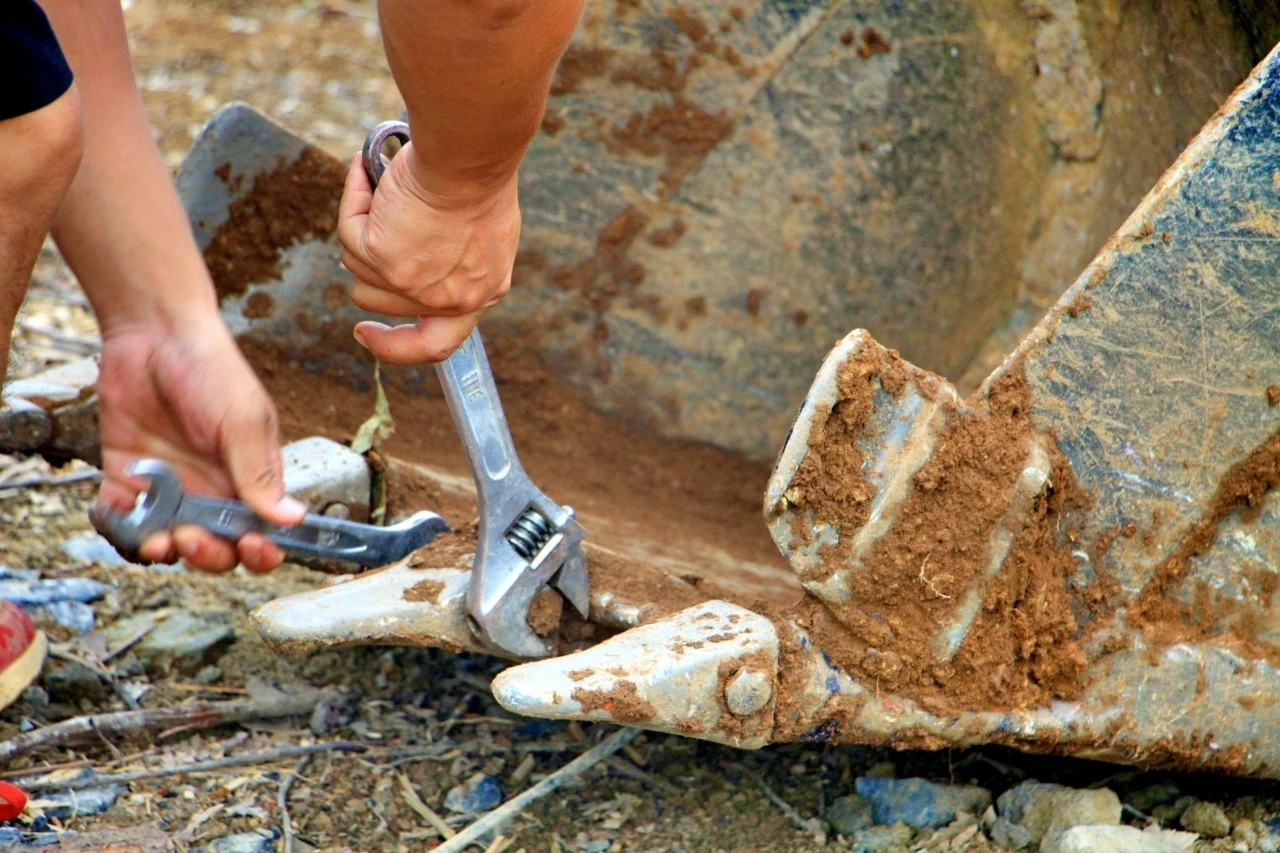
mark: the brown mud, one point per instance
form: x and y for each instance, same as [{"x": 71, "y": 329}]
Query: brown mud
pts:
[
  {"x": 296, "y": 202},
  {"x": 1021, "y": 649},
  {"x": 663, "y": 491}
]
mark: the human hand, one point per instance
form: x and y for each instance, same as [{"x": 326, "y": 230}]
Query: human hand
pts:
[
  {"x": 183, "y": 393},
  {"x": 441, "y": 255}
]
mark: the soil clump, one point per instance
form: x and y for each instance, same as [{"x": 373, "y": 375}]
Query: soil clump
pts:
[
  {"x": 296, "y": 202},
  {"x": 1021, "y": 649}
]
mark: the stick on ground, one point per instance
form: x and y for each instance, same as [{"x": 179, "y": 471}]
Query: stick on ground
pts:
[
  {"x": 194, "y": 715},
  {"x": 491, "y": 821}
]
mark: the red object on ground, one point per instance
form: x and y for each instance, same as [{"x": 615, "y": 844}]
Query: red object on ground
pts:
[
  {"x": 12, "y": 801},
  {"x": 22, "y": 652}
]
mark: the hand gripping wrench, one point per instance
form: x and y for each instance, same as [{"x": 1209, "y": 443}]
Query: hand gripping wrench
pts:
[
  {"x": 526, "y": 540},
  {"x": 164, "y": 506}
]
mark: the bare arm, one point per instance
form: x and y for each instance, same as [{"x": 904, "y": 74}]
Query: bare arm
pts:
[
  {"x": 439, "y": 239},
  {"x": 172, "y": 382},
  {"x": 474, "y": 75}
]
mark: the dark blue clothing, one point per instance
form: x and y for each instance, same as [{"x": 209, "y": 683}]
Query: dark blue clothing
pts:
[{"x": 33, "y": 71}]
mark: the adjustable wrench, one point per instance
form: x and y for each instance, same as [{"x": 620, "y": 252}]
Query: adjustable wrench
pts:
[
  {"x": 526, "y": 540},
  {"x": 164, "y": 506}
]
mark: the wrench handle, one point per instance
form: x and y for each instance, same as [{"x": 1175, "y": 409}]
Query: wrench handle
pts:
[
  {"x": 473, "y": 401},
  {"x": 315, "y": 535}
]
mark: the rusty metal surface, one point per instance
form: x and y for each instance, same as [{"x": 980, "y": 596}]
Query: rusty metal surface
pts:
[{"x": 721, "y": 192}]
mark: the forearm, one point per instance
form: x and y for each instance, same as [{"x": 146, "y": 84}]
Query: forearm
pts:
[
  {"x": 122, "y": 228},
  {"x": 475, "y": 76}
]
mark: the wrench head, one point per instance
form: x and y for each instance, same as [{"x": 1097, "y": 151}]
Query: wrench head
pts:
[
  {"x": 505, "y": 582},
  {"x": 152, "y": 512}
]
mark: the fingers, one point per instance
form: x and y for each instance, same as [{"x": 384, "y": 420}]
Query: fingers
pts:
[
  {"x": 250, "y": 444},
  {"x": 259, "y": 554},
  {"x": 201, "y": 550},
  {"x": 429, "y": 340},
  {"x": 353, "y": 209}
]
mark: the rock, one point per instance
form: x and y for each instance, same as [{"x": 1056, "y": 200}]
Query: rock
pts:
[
  {"x": 188, "y": 640},
  {"x": 1116, "y": 839},
  {"x": 260, "y": 841},
  {"x": 1040, "y": 808},
  {"x": 919, "y": 803},
  {"x": 73, "y": 615},
  {"x": 72, "y": 682},
  {"x": 849, "y": 814},
  {"x": 1012, "y": 835},
  {"x": 32, "y": 593},
  {"x": 1146, "y": 799},
  {"x": 882, "y": 839},
  {"x": 92, "y": 548},
  {"x": 70, "y": 804},
  {"x": 1207, "y": 819},
  {"x": 478, "y": 794}
]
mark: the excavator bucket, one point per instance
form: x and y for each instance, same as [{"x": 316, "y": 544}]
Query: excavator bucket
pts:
[{"x": 1079, "y": 557}]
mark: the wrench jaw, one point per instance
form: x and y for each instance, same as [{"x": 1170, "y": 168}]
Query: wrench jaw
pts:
[
  {"x": 152, "y": 512},
  {"x": 504, "y": 584}
]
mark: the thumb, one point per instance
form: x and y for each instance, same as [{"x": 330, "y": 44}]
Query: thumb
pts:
[
  {"x": 250, "y": 445},
  {"x": 431, "y": 339}
]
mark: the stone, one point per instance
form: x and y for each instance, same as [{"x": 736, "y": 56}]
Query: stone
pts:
[
  {"x": 260, "y": 841},
  {"x": 478, "y": 794},
  {"x": 70, "y": 804},
  {"x": 72, "y": 682},
  {"x": 1116, "y": 839},
  {"x": 92, "y": 548},
  {"x": 1146, "y": 799},
  {"x": 24, "y": 426},
  {"x": 183, "y": 638},
  {"x": 849, "y": 814},
  {"x": 882, "y": 839},
  {"x": 323, "y": 475},
  {"x": 1207, "y": 819},
  {"x": 1041, "y": 807},
  {"x": 75, "y": 616},
  {"x": 919, "y": 803},
  {"x": 1012, "y": 835},
  {"x": 32, "y": 593}
]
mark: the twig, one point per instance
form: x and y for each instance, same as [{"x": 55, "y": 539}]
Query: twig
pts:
[
  {"x": 499, "y": 844},
  {"x": 286, "y": 823},
  {"x": 925, "y": 579},
  {"x": 491, "y": 821},
  {"x": 195, "y": 715},
  {"x": 269, "y": 756},
  {"x": 424, "y": 811},
  {"x": 813, "y": 825},
  {"x": 91, "y": 475},
  {"x": 45, "y": 768},
  {"x": 626, "y": 768}
]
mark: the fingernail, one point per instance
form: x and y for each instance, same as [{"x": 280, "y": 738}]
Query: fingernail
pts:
[
  {"x": 188, "y": 550},
  {"x": 292, "y": 506},
  {"x": 359, "y": 335}
]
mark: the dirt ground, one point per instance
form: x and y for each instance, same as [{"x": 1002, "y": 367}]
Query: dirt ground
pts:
[{"x": 425, "y": 716}]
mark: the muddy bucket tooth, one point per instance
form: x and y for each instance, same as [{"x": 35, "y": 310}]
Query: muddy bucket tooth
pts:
[
  {"x": 398, "y": 605},
  {"x": 708, "y": 671}
]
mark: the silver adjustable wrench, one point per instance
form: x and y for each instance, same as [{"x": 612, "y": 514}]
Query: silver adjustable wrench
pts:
[
  {"x": 164, "y": 506},
  {"x": 526, "y": 541}
]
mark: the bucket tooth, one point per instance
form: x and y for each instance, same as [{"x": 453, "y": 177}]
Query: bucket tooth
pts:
[
  {"x": 398, "y": 605},
  {"x": 708, "y": 671},
  {"x": 886, "y": 411}
]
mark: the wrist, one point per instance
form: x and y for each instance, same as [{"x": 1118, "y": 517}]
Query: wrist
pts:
[
  {"x": 474, "y": 188},
  {"x": 178, "y": 301}
]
